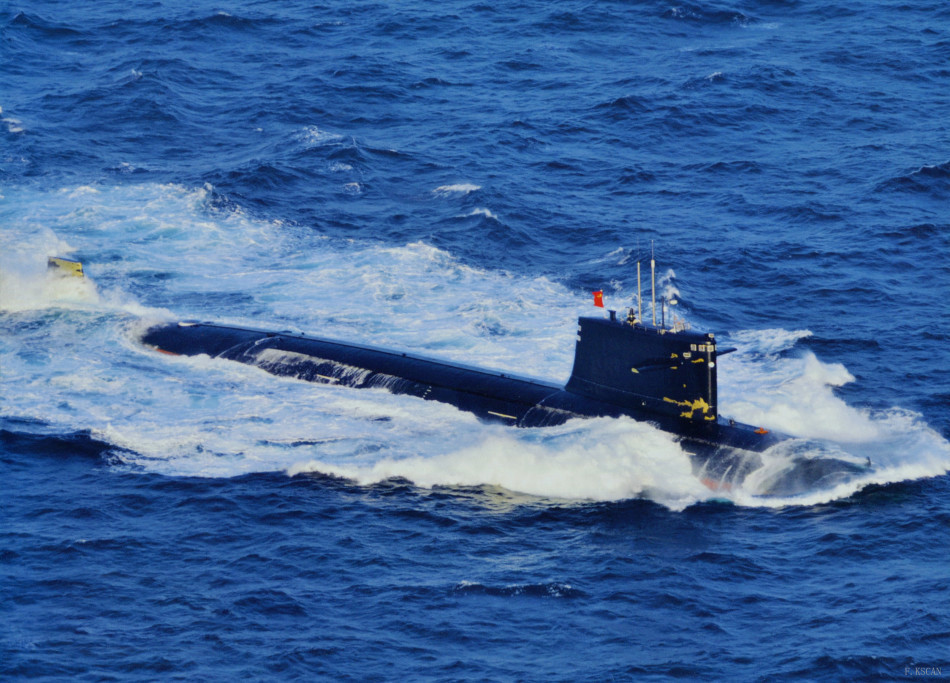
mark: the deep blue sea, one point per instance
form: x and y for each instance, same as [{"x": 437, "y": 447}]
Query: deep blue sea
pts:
[{"x": 454, "y": 179}]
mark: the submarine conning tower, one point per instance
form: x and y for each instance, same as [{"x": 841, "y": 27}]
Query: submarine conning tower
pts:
[{"x": 669, "y": 372}]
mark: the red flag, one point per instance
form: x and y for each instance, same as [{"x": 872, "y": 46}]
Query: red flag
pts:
[{"x": 599, "y": 298}]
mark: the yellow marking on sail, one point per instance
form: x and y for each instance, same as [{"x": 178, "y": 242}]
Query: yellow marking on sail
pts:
[
  {"x": 699, "y": 360},
  {"x": 510, "y": 417},
  {"x": 692, "y": 407}
]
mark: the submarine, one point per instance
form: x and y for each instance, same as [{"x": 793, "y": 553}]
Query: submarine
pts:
[
  {"x": 666, "y": 376},
  {"x": 662, "y": 374}
]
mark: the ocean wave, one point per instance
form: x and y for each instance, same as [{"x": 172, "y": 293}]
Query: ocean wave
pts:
[
  {"x": 703, "y": 15},
  {"x": 47, "y": 27},
  {"x": 531, "y": 590},
  {"x": 312, "y": 136},
  {"x": 627, "y": 103},
  {"x": 456, "y": 189},
  {"x": 217, "y": 22},
  {"x": 588, "y": 460},
  {"x": 483, "y": 212},
  {"x": 932, "y": 179},
  {"x": 14, "y": 125}
]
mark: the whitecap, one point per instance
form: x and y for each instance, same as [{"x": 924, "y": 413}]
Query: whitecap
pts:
[
  {"x": 312, "y": 136},
  {"x": 482, "y": 212},
  {"x": 458, "y": 188},
  {"x": 13, "y": 125},
  {"x": 601, "y": 459}
]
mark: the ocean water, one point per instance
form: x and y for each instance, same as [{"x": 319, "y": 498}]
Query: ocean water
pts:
[{"x": 454, "y": 179}]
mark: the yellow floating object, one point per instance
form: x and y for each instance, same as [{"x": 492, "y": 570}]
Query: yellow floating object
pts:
[{"x": 65, "y": 266}]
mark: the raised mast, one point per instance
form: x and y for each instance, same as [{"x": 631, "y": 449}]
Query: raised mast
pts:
[
  {"x": 639, "y": 294},
  {"x": 653, "y": 282}
]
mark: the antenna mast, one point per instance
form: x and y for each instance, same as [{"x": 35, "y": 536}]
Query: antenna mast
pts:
[
  {"x": 639, "y": 291},
  {"x": 653, "y": 282}
]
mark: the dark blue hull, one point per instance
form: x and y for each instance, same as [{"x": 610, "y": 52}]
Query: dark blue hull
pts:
[{"x": 492, "y": 396}]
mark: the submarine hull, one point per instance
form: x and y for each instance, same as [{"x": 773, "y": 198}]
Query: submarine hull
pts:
[{"x": 492, "y": 396}]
